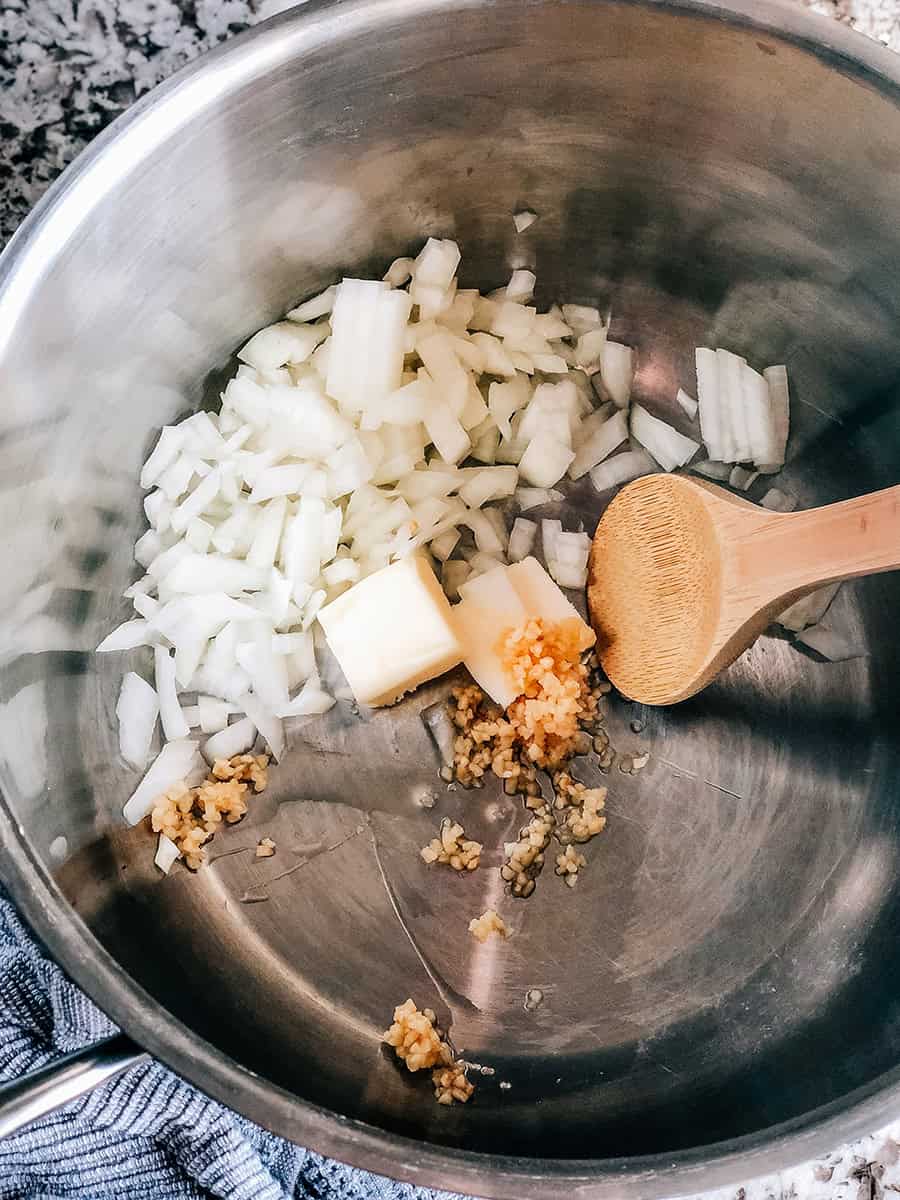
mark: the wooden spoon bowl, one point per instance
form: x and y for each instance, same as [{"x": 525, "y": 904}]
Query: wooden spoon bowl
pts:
[{"x": 683, "y": 576}]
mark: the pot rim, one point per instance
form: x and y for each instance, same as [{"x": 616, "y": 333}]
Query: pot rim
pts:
[{"x": 56, "y": 217}]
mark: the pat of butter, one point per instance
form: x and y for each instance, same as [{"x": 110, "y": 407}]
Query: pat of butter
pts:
[
  {"x": 392, "y": 631},
  {"x": 543, "y": 599},
  {"x": 489, "y": 607},
  {"x": 500, "y": 600}
]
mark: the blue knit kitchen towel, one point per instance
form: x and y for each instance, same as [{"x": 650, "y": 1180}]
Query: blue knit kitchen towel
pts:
[{"x": 146, "y": 1135}]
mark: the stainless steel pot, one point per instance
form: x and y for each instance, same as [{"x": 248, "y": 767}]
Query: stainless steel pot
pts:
[{"x": 720, "y": 991}]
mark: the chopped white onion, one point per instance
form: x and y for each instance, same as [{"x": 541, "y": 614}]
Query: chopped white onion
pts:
[
  {"x": 521, "y": 539},
  {"x": 127, "y": 636},
  {"x": 778, "y": 501},
  {"x": 719, "y": 471},
  {"x": 173, "y": 722},
  {"x": 670, "y": 448},
  {"x": 233, "y": 739},
  {"x": 265, "y": 721},
  {"x": 809, "y": 610},
  {"x": 600, "y": 444},
  {"x": 710, "y": 407},
  {"x": 453, "y": 574},
  {"x": 177, "y": 762},
  {"x": 317, "y": 306},
  {"x": 622, "y": 468},
  {"x": 167, "y": 854},
  {"x": 545, "y": 461},
  {"x": 742, "y": 478},
  {"x": 527, "y": 497},
  {"x": 831, "y": 643},
  {"x": 687, "y": 403},
  {"x": 137, "y": 709},
  {"x": 523, "y": 220},
  {"x": 617, "y": 371},
  {"x": 779, "y": 399}
]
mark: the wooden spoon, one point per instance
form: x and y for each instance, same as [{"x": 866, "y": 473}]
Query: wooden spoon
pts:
[{"x": 683, "y": 576}]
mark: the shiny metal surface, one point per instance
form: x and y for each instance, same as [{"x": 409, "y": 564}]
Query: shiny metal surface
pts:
[
  {"x": 720, "y": 995},
  {"x": 42, "y": 1092}
]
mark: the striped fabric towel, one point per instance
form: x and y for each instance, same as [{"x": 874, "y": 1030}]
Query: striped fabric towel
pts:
[{"x": 146, "y": 1135}]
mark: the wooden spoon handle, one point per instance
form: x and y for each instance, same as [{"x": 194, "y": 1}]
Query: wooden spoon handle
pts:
[{"x": 789, "y": 552}]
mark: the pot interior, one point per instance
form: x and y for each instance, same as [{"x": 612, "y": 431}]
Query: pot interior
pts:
[{"x": 725, "y": 963}]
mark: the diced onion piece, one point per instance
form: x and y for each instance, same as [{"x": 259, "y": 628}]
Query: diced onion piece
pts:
[
  {"x": 521, "y": 286},
  {"x": 523, "y": 220},
  {"x": 265, "y": 721},
  {"x": 164, "y": 454},
  {"x": 567, "y": 576},
  {"x": 198, "y": 573},
  {"x": 453, "y": 574},
  {"x": 742, "y": 478},
  {"x": 399, "y": 272},
  {"x": 445, "y": 370},
  {"x": 365, "y": 362},
  {"x": 670, "y": 448},
  {"x": 545, "y": 461},
  {"x": 267, "y": 534},
  {"x": 213, "y": 714},
  {"x": 148, "y": 547},
  {"x": 436, "y": 263},
  {"x": 175, "y": 763},
  {"x": 317, "y": 306},
  {"x": 137, "y": 709},
  {"x": 759, "y": 417},
  {"x": 589, "y": 350},
  {"x": 173, "y": 722},
  {"x": 719, "y": 471},
  {"x": 234, "y": 739},
  {"x": 617, "y": 371},
  {"x": 447, "y": 435},
  {"x": 809, "y": 610},
  {"x": 285, "y": 480},
  {"x": 497, "y": 360},
  {"x": 127, "y": 636},
  {"x": 485, "y": 443},
  {"x": 571, "y": 549},
  {"x": 488, "y": 483},
  {"x": 831, "y": 643},
  {"x": 311, "y": 700},
  {"x": 580, "y": 318},
  {"x": 778, "y": 501},
  {"x": 505, "y": 399},
  {"x": 779, "y": 400},
  {"x": 550, "y": 530},
  {"x": 199, "y": 534},
  {"x": 284, "y": 342},
  {"x": 527, "y": 497},
  {"x": 731, "y": 392},
  {"x": 521, "y": 539},
  {"x": 622, "y": 468},
  {"x": 710, "y": 405},
  {"x": 267, "y": 670},
  {"x": 479, "y": 562},
  {"x": 444, "y": 544},
  {"x": 486, "y": 537},
  {"x": 599, "y": 445},
  {"x": 167, "y": 854},
  {"x": 687, "y": 403}
]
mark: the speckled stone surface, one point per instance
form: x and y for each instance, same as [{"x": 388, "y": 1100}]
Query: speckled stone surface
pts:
[{"x": 68, "y": 67}]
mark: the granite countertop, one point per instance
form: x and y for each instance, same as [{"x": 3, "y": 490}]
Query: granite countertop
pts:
[{"x": 68, "y": 67}]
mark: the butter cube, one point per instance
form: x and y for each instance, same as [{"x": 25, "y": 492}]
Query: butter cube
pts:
[
  {"x": 543, "y": 599},
  {"x": 490, "y": 606},
  {"x": 392, "y": 631},
  {"x": 498, "y": 601}
]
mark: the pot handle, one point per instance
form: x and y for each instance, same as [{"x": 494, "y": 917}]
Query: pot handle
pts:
[{"x": 42, "y": 1091}]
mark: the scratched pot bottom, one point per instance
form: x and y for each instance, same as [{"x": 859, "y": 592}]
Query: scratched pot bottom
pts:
[{"x": 702, "y": 934}]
